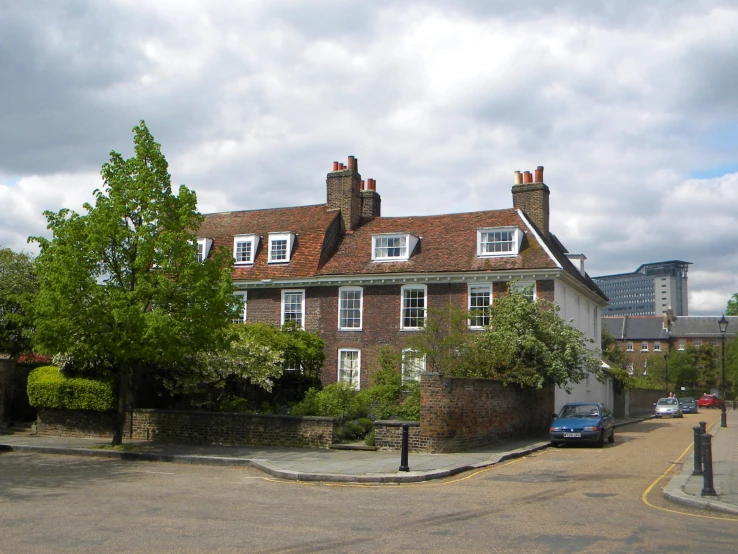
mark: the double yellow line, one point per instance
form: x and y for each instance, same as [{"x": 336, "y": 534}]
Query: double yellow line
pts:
[{"x": 644, "y": 496}]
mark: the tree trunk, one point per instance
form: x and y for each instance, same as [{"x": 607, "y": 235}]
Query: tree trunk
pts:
[{"x": 124, "y": 378}]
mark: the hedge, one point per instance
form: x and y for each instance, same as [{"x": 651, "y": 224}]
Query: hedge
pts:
[{"x": 48, "y": 388}]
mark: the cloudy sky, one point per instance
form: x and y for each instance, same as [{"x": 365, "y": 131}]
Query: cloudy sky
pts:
[{"x": 631, "y": 106}]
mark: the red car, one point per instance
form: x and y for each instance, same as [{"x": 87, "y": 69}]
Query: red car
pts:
[{"x": 709, "y": 401}]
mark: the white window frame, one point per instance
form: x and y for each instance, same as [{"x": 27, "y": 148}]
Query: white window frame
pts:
[
  {"x": 253, "y": 240},
  {"x": 290, "y": 241},
  {"x": 697, "y": 342},
  {"x": 515, "y": 242},
  {"x": 412, "y": 365},
  {"x": 203, "y": 249},
  {"x": 520, "y": 285},
  {"x": 469, "y": 288},
  {"x": 341, "y": 290},
  {"x": 657, "y": 346},
  {"x": 713, "y": 342},
  {"x": 682, "y": 344},
  {"x": 410, "y": 242},
  {"x": 404, "y": 288},
  {"x": 629, "y": 346},
  {"x": 244, "y": 312},
  {"x": 644, "y": 346},
  {"x": 302, "y": 306},
  {"x": 340, "y": 369}
]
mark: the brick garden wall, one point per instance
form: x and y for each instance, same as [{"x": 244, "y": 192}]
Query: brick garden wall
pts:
[
  {"x": 641, "y": 401},
  {"x": 74, "y": 423},
  {"x": 193, "y": 427},
  {"x": 388, "y": 436},
  {"x": 462, "y": 414}
]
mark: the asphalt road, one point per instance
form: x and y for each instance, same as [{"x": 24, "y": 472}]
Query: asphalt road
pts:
[{"x": 571, "y": 499}]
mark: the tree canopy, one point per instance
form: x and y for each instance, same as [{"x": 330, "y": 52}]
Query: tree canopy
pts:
[
  {"x": 526, "y": 344},
  {"x": 731, "y": 308},
  {"x": 120, "y": 285},
  {"x": 18, "y": 287}
]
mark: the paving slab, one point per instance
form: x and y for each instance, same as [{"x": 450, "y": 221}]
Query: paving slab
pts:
[
  {"x": 291, "y": 463},
  {"x": 686, "y": 489}
]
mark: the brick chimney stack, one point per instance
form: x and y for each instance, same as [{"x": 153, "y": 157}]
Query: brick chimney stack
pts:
[
  {"x": 531, "y": 196},
  {"x": 345, "y": 191}
]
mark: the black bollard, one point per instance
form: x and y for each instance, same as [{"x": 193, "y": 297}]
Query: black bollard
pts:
[
  {"x": 708, "y": 488},
  {"x": 403, "y": 453},
  {"x": 703, "y": 426},
  {"x": 697, "y": 450}
]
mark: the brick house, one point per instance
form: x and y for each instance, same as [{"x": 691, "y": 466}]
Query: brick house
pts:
[
  {"x": 363, "y": 281},
  {"x": 642, "y": 337}
]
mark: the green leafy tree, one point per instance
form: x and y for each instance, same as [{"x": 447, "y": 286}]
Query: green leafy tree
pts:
[
  {"x": 120, "y": 285},
  {"x": 445, "y": 340},
  {"x": 18, "y": 287},
  {"x": 731, "y": 308},
  {"x": 526, "y": 344},
  {"x": 246, "y": 356}
]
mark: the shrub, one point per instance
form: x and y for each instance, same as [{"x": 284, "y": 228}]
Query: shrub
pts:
[
  {"x": 337, "y": 400},
  {"x": 369, "y": 440},
  {"x": 48, "y": 388}
]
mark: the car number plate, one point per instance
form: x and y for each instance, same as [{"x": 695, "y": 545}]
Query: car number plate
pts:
[{"x": 572, "y": 435}]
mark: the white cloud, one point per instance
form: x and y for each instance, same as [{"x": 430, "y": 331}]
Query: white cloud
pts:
[{"x": 441, "y": 102}]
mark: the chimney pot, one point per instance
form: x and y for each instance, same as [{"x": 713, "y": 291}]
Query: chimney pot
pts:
[
  {"x": 341, "y": 166},
  {"x": 353, "y": 163},
  {"x": 372, "y": 184},
  {"x": 363, "y": 187},
  {"x": 539, "y": 174},
  {"x": 518, "y": 178},
  {"x": 335, "y": 166},
  {"x": 527, "y": 177}
]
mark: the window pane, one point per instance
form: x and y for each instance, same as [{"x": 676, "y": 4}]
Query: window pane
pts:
[
  {"x": 479, "y": 301},
  {"x": 293, "y": 307},
  {"x": 348, "y": 367},
  {"x": 390, "y": 247},
  {"x": 350, "y": 309},
  {"x": 278, "y": 250},
  {"x": 243, "y": 251},
  {"x": 412, "y": 365},
  {"x": 493, "y": 242},
  {"x": 241, "y": 318},
  {"x": 413, "y": 308}
]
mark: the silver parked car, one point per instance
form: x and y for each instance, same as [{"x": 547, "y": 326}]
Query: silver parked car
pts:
[{"x": 668, "y": 407}]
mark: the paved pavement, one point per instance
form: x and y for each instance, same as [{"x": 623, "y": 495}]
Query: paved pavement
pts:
[
  {"x": 291, "y": 463},
  {"x": 686, "y": 488}
]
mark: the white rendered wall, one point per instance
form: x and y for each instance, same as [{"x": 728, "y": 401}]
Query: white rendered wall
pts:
[{"x": 586, "y": 317}]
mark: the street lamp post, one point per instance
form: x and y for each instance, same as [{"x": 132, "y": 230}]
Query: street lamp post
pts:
[
  {"x": 723, "y": 323},
  {"x": 666, "y": 386}
]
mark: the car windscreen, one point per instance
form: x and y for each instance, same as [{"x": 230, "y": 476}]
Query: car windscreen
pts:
[
  {"x": 581, "y": 410},
  {"x": 667, "y": 401}
]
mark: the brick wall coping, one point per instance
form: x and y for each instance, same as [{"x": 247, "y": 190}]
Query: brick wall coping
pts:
[
  {"x": 230, "y": 414},
  {"x": 395, "y": 423}
]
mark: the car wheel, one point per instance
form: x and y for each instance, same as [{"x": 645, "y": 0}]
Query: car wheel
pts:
[
  {"x": 601, "y": 440},
  {"x": 611, "y": 438}
]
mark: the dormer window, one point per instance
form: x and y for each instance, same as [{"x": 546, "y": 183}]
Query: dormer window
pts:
[
  {"x": 393, "y": 247},
  {"x": 499, "y": 241},
  {"x": 203, "y": 249},
  {"x": 280, "y": 247},
  {"x": 244, "y": 248}
]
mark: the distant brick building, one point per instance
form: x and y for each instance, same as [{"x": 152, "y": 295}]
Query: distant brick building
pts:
[
  {"x": 642, "y": 337},
  {"x": 363, "y": 281}
]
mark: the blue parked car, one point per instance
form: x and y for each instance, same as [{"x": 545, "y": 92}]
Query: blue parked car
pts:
[{"x": 583, "y": 422}]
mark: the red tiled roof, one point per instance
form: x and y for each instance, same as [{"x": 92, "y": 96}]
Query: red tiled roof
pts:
[
  {"x": 448, "y": 244},
  {"x": 310, "y": 223}
]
